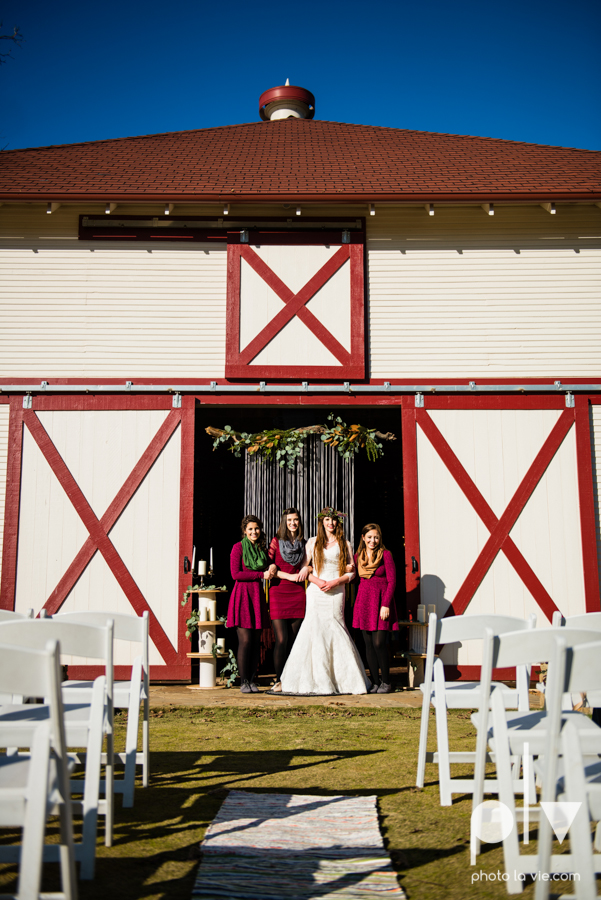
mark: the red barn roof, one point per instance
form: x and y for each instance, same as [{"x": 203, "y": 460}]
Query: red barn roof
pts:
[{"x": 294, "y": 159}]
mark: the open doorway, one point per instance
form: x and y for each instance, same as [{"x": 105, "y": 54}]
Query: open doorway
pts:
[{"x": 219, "y": 485}]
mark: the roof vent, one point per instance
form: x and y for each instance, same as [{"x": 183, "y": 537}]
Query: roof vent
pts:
[{"x": 286, "y": 102}]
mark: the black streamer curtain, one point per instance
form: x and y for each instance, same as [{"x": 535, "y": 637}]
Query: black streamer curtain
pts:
[{"x": 321, "y": 477}]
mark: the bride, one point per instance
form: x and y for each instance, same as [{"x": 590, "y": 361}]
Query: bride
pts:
[{"x": 324, "y": 659}]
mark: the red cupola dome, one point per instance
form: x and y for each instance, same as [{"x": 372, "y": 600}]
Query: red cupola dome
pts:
[{"x": 286, "y": 102}]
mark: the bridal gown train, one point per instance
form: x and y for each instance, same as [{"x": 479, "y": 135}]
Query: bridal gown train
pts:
[{"x": 324, "y": 659}]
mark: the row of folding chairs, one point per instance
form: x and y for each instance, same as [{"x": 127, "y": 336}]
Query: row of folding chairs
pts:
[
  {"x": 560, "y": 747},
  {"x": 51, "y": 718}
]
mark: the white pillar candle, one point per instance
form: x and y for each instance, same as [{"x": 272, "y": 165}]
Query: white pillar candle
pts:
[
  {"x": 211, "y": 559},
  {"x": 202, "y": 567},
  {"x": 220, "y": 645},
  {"x": 211, "y": 610},
  {"x": 421, "y": 613},
  {"x": 202, "y": 613}
]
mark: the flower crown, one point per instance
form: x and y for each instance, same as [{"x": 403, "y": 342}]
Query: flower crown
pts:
[{"x": 331, "y": 512}]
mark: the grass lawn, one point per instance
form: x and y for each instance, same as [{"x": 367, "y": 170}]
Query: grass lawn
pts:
[{"x": 199, "y": 754}]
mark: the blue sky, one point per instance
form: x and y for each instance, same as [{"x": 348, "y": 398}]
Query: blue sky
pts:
[{"x": 526, "y": 70}]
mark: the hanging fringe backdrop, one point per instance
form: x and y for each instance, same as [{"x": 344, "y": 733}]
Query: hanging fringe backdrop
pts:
[{"x": 320, "y": 478}]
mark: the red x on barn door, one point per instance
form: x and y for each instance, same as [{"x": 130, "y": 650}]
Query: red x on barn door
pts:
[
  {"x": 83, "y": 523},
  {"x": 543, "y": 523},
  {"x": 295, "y": 311}
]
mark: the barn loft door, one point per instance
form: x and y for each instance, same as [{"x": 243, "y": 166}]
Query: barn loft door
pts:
[
  {"x": 97, "y": 516},
  {"x": 504, "y": 517},
  {"x": 295, "y": 310}
]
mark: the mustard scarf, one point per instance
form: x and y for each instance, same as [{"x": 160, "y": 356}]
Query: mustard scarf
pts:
[{"x": 365, "y": 569}]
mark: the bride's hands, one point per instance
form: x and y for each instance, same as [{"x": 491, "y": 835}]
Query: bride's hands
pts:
[
  {"x": 304, "y": 573},
  {"x": 329, "y": 585}
]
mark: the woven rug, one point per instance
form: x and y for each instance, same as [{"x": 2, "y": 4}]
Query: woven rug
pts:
[{"x": 295, "y": 847}]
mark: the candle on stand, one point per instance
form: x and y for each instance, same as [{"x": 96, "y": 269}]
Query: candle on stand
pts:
[
  {"x": 193, "y": 557},
  {"x": 211, "y": 559},
  {"x": 202, "y": 567}
]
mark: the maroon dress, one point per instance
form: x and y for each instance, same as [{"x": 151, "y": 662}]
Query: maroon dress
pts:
[
  {"x": 286, "y": 598},
  {"x": 247, "y": 607},
  {"x": 374, "y": 593}
]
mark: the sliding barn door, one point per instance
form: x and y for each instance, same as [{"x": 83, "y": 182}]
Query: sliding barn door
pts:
[
  {"x": 97, "y": 515},
  {"x": 504, "y": 520}
]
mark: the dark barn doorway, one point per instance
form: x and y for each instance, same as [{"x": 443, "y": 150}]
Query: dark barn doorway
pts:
[{"x": 219, "y": 487}]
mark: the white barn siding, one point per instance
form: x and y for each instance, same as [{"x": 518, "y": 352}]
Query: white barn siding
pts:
[
  {"x": 4, "y": 416},
  {"x": 466, "y": 295},
  {"x": 100, "y": 449},
  {"x": 496, "y": 448},
  {"x": 88, "y": 309}
]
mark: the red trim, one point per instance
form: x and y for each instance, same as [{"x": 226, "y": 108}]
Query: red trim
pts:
[
  {"x": 123, "y": 673},
  {"x": 472, "y": 673},
  {"x": 98, "y": 534},
  {"x": 132, "y": 483},
  {"x": 471, "y": 492},
  {"x": 100, "y": 403},
  {"x": 238, "y": 361},
  {"x": 587, "y": 505},
  {"x": 130, "y": 397},
  {"x": 500, "y": 533},
  {"x": 349, "y": 198},
  {"x": 186, "y": 521},
  {"x": 411, "y": 503},
  {"x": 11, "y": 510},
  {"x": 495, "y": 401}
]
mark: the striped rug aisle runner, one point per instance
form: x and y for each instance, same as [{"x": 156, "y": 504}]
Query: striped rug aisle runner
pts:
[{"x": 295, "y": 847}]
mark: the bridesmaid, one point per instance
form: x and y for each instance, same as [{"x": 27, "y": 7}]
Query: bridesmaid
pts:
[
  {"x": 375, "y": 611},
  {"x": 287, "y": 590},
  {"x": 247, "y": 609}
]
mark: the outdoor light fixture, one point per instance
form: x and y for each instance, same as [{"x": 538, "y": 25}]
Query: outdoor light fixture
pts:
[
  {"x": 550, "y": 207},
  {"x": 52, "y": 207},
  {"x": 298, "y": 210},
  {"x": 226, "y": 209},
  {"x": 489, "y": 208},
  {"x": 430, "y": 209},
  {"x": 372, "y": 209},
  {"x": 169, "y": 208},
  {"x": 109, "y": 208}
]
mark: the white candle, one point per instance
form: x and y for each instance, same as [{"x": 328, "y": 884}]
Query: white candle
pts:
[
  {"x": 211, "y": 610},
  {"x": 211, "y": 559},
  {"x": 221, "y": 645},
  {"x": 202, "y": 613},
  {"x": 421, "y": 613},
  {"x": 202, "y": 567},
  {"x": 193, "y": 557}
]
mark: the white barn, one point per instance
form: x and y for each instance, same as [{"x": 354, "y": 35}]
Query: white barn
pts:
[{"x": 284, "y": 268}]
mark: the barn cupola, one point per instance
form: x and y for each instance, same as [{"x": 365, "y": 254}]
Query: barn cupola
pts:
[{"x": 286, "y": 102}]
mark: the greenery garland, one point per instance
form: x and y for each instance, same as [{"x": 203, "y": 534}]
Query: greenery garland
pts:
[{"x": 285, "y": 446}]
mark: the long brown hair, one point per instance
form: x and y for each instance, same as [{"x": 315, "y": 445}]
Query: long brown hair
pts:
[
  {"x": 362, "y": 549},
  {"x": 320, "y": 544},
  {"x": 261, "y": 542},
  {"x": 282, "y": 533}
]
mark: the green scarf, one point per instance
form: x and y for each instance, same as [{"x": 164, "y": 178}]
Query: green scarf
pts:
[{"x": 254, "y": 557}]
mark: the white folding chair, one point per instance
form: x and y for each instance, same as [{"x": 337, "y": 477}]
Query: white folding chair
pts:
[
  {"x": 86, "y": 722},
  {"x": 34, "y": 784},
  {"x": 444, "y": 695},
  {"x": 520, "y": 734},
  {"x": 8, "y": 615},
  {"x": 582, "y": 784},
  {"x": 126, "y": 694}
]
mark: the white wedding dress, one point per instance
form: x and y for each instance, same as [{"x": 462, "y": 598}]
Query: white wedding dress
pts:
[{"x": 324, "y": 659}]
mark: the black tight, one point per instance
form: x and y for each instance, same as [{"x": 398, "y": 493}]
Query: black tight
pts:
[
  {"x": 376, "y": 649},
  {"x": 249, "y": 646},
  {"x": 282, "y": 629}
]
